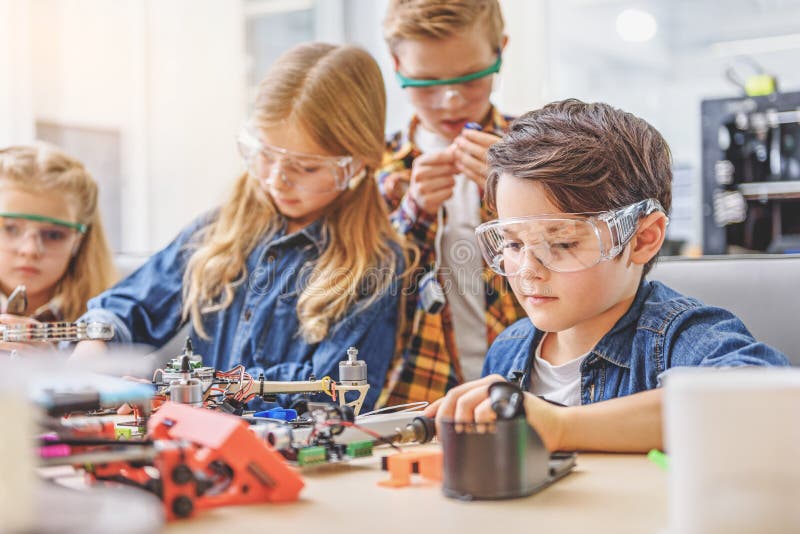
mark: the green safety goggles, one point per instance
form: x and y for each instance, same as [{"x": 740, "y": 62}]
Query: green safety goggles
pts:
[
  {"x": 43, "y": 219},
  {"x": 412, "y": 82}
]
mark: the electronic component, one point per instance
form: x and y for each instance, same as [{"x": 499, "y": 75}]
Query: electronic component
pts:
[
  {"x": 317, "y": 439},
  {"x": 186, "y": 390},
  {"x": 503, "y": 459},
  {"x": 57, "y": 331},
  {"x": 231, "y": 390},
  {"x": 431, "y": 294}
]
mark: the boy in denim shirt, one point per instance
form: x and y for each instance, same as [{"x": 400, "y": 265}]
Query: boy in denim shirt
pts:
[{"x": 582, "y": 193}]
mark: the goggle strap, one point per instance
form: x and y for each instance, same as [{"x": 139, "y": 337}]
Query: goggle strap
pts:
[
  {"x": 50, "y": 220},
  {"x": 411, "y": 82}
]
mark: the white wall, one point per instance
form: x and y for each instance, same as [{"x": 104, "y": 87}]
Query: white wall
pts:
[
  {"x": 89, "y": 70},
  {"x": 525, "y": 78},
  {"x": 16, "y": 108},
  {"x": 196, "y": 105},
  {"x": 169, "y": 76}
]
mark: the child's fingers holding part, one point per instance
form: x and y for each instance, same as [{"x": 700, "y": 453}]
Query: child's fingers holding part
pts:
[
  {"x": 465, "y": 147},
  {"x": 471, "y": 157},
  {"x": 447, "y": 408},
  {"x": 431, "y": 185},
  {"x": 431, "y": 409},
  {"x": 466, "y": 404},
  {"x": 474, "y": 169},
  {"x": 478, "y": 137},
  {"x": 435, "y": 184},
  {"x": 441, "y": 157},
  {"x": 484, "y": 412}
]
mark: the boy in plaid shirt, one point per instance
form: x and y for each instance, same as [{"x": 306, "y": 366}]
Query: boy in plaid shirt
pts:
[{"x": 445, "y": 55}]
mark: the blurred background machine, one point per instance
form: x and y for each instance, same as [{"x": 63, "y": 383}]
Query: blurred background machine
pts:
[{"x": 751, "y": 173}]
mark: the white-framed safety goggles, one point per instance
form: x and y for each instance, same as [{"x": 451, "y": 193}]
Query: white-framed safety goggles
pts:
[
  {"x": 312, "y": 173},
  {"x": 566, "y": 242}
]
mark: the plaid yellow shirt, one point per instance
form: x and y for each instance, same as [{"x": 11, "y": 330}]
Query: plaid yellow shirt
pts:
[{"x": 427, "y": 364}]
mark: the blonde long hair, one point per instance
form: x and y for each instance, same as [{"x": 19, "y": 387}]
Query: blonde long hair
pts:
[
  {"x": 336, "y": 95},
  {"x": 43, "y": 167}
]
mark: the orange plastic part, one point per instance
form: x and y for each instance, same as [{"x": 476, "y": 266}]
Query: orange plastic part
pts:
[
  {"x": 401, "y": 465},
  {"x": 258, "y": 472}
]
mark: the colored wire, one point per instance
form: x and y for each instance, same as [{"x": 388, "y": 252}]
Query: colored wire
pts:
[
  {"x": 378, "y": 437},
  {"x": 399, "y": 408}
]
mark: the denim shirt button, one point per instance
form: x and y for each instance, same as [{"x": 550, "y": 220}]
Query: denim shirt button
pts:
[{"x": 247, "y": 314}]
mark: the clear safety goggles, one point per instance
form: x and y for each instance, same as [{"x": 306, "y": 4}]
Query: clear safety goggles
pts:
[
  {"x": 51, "y": 235},
  {"x": 310, "y": 172},
  {"x": 564, "y": 242},
  {"x": 450, "y": 92}
]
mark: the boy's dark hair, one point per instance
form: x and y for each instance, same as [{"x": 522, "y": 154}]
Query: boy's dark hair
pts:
[{"x": 587, "y": 157}]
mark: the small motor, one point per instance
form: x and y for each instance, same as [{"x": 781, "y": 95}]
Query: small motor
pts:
[
  {"x": 186, "y": 390},
  {"x": 352, "y": 371}
]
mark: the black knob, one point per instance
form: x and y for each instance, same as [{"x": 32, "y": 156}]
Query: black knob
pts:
[
  {"x": 181, "y": 474},
  {"x": 507, "y": 400},
  {"x": 182, "y": 506},
  {"x": 424, "y": 429}
]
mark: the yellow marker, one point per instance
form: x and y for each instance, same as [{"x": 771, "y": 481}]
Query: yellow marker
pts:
[{"x": 759, "y": 85}]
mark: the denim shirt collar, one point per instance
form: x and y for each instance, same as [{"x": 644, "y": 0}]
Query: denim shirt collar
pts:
[
  {"x": 315, "y": 233},
  {"x": 611, "y": 346}
]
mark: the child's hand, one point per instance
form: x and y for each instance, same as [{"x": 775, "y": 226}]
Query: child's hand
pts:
[
  {"x": 462, "y": 402},
  {"x": 470, "y": 403},
  {"x": 471, "y": 147},
  {"x": 432, "y": 179},
  {"x": 8, "y": 346},
  {"x": 395, "y": 185}
]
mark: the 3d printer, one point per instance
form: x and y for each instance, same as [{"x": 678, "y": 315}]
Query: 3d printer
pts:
[{"x": 751, "y": 174}]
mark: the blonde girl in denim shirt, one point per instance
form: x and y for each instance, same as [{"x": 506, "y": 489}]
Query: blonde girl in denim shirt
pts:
[
  {"x": 301, "y": 261},
  {"x": 582, "y": 194}
]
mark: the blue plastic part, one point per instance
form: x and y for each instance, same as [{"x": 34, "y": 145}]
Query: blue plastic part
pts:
[
  {"x": 284, "y": 414},
  {"x": 473, "y": 126}
]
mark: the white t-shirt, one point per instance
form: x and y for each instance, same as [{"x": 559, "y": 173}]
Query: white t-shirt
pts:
[
  {"x": 460, "y": 263},
  {"x": 557, "y": 383}
]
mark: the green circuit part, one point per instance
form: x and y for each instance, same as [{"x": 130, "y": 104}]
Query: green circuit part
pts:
[
  {"x": 359, "y": 449},
  {"x": 124, "y": 432},
  {"x": 312, "y": 455}
]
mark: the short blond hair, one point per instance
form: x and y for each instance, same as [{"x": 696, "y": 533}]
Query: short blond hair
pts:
[{"x": 439, "y": 19}]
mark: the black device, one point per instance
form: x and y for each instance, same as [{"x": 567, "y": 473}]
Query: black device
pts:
[
  {"x": 751, "y": 173},
  {"x": 500, "y": 460},
  {"x": 431, "y": 294}
]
